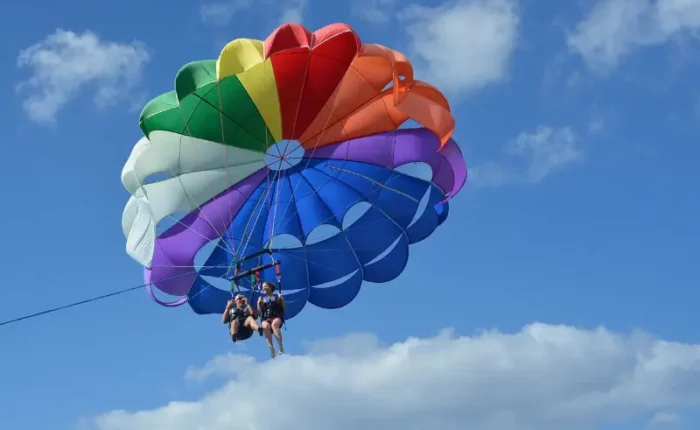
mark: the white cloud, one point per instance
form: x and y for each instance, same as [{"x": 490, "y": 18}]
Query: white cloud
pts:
[
  {"x": 615, "y": 28},
  {"x": 490, "y": 174},
  {"x": 544, "y": 377},
  {"x": 64, "y": 63},
  {"x": 228, "y": 364},
  {"x": 664, "y": 420},
  {"x": 293, "y": 11},
  {"x": 222, "y": 13},
  {"x": 547, "y": 149},
  {"x": 538, "y": 154},
  {"x": 596, "y": 125},
  {"x": 374, "y": 11},
  {"x": 464, "y": 45}
]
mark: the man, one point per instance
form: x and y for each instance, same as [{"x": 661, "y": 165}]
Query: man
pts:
[{"x": 240, "y": 317}]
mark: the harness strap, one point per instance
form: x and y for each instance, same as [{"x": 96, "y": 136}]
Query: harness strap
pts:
[
  {"x": 254, "y": 285},
  {"x": 278, "y": 274},
  {"x": 234, "y": 280}
]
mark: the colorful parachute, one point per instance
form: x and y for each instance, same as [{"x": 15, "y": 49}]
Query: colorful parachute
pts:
[{"x": 288, "y": 154}]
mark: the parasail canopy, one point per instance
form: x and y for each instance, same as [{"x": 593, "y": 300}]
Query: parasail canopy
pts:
[{"x": 293, "y": 151}]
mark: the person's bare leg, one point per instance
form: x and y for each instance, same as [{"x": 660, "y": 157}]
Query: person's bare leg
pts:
[
  {"x": 268, "y": 338},
  {"x": 234, "y": 328},
  {"x": 253, "y": 324},
  {"x": 276, "y": 324},
  {"x": 250, "y": 322}
]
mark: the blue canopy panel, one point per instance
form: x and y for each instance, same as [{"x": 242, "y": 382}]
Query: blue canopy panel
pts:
[
  {"x": 400, "y": 210},
  {"x": 443, "y": 210}
]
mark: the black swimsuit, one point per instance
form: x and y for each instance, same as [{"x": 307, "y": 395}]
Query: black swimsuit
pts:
[
  {"x": 244, "y": 332},
  {"x": 272, "y": 308}
]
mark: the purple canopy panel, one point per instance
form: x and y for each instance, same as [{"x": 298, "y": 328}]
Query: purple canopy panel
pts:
[
  {"x": 394, "y": 149},
  {"x": 172, "y": 266}
]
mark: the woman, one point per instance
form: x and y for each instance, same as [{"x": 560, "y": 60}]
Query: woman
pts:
[
  {"x": 240, "y": 317},
  {"x": 271, "y": 309}
]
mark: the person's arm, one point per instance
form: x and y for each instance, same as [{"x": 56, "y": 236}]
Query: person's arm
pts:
[
  {"x": 226, "y": 317},
  {"x": 260, "y": 302},
  {"x": 249, "y": 308},
  {"x": 280, "y": 299}
]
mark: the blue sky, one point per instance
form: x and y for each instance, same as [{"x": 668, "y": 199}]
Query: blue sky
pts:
[{"x": 579, "y": 125}]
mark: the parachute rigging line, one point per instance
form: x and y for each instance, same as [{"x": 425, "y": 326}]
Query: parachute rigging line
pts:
[{"x": 86, "y": 301}]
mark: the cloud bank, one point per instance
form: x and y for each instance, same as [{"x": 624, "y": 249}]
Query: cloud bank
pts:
[{"x": 543, "y": 377}]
